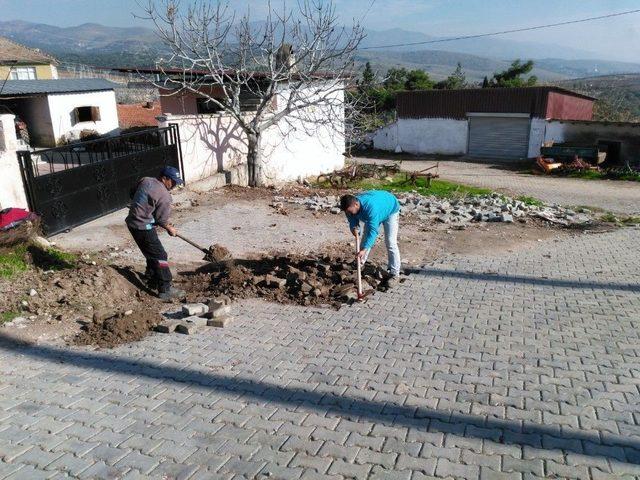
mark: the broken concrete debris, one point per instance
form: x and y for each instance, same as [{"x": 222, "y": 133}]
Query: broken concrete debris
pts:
[{"x": 476, "y": 208}]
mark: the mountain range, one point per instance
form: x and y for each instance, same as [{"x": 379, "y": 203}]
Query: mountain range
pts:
[{"x": 100, "y": 45}]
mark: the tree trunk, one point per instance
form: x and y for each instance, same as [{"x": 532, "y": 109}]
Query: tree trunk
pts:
[{"x": 254, "y": 159}]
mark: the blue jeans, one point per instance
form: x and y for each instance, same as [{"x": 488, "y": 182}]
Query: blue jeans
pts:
[{"x": 390, "y": 226}]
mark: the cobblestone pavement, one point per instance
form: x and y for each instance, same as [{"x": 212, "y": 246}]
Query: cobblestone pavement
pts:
[
  {"x": 512, "y": 366},
  {"x": 615, "y": 196}
]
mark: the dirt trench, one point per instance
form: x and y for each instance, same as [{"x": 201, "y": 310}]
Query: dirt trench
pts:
[{"x": 290, "y": 279}]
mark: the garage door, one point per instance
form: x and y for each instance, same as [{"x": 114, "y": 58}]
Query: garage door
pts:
[{"x": 499, "y": 137}]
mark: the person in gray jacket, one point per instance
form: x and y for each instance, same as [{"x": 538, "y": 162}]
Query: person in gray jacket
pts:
[{"x": 151, "y": 208}]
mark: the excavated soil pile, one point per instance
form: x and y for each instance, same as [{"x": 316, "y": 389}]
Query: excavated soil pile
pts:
[
  {"x": 218, "y": 254},
  {"x": 285, "y": 279},
  {"x": 109, "y": 329}
]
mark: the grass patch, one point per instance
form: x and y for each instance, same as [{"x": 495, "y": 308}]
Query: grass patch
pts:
[
  {"x": 617, "y": 174},
  {"x": 586, "y": 174},
  {"x": 625, "y": 220},
  {"x": 8, "y": 316},
  {"x": 18, "y": 259},
  {"x": 438, "y": 188},
  {"x": 52, "y": 259},
  {"x": 13, "y": 261},
  {"x": 530, "y": 201}
]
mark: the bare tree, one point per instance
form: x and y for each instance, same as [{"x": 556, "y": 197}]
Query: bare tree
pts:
[{"x": 289, "y": 70}]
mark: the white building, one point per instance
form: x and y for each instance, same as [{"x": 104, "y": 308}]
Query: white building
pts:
[
  {"x": 494, "y": 123},
  {"x": 58, "y": 111},
  {"x": 214, "y": 147}
]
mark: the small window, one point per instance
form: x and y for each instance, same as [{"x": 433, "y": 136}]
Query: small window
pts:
[
  {"x": 23, "y": 73},
  {"x": 86, "y": 114},
  {"x": 204, "y": 105}
]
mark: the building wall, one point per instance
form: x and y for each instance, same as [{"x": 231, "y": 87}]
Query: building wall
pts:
[
  {"x": 215, "y": 143},
  {"x": 628, "y": 134},
  {"x": 298, "y": 149},
  {"x": 183, "y": 103},
  {"x": 61, "y": 107},
  {"x": 536, "y": 136},
  {"x": 210, "y": 144},
  {"x": 43, "y": 72},
  {"x": 424, "y": 136},
  {"x": 566, "y": 107},
  {"x": 35, "y": 113}
]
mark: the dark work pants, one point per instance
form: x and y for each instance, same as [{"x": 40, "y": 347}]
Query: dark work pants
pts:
[{"x": 157, "y": 264}]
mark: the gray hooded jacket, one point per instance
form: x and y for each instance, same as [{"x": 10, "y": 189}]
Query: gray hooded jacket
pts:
[{"x": 150, "y": 206}]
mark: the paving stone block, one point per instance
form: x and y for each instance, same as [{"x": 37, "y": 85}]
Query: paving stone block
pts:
[
  {"x": 220, "y": 322},
  {"x": 167, "y": 326},
  {"x": 191, "y": 309}
]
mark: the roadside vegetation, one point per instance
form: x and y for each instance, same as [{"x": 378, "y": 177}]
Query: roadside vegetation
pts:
[
  {"x": 398, "y": 183},
  {"x": 620, "y": 220},
  {"x": 20, "y": 258}
]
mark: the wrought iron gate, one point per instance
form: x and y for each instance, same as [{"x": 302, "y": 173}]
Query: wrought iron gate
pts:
[{"x": 77, "y": 183}]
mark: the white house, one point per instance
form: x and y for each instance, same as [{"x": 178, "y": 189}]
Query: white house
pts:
[
  {"x": 214, "y": 147},
  {"x": 58, "y": 111}
]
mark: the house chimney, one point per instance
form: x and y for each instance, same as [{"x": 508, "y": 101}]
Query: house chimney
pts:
[{"x": 285, "y": 57}]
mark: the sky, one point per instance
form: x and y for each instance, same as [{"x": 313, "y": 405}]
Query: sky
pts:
[{"x": 616, "y": 38}]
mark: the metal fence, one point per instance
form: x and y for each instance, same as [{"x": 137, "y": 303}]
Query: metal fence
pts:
[{"x": 73, "y": 184}]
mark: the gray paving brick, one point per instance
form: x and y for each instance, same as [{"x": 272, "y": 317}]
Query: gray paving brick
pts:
[
  {"x": 454, "y": 371},
  {"x": 319, "y": 464},
  {"x": 349, "y": 470},
  {"x": 446, "y": 468},
  {"x": 137, "y": 461}
]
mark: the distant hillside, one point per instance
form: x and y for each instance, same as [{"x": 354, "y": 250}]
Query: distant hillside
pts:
[
  {"x": 99, "y": 45},
  {"x": 440, "y": 64}
]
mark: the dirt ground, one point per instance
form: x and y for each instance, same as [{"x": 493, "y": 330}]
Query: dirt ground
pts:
[{"x": 104, "y": 301}]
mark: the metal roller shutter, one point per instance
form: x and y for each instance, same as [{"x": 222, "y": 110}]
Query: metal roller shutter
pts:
[{"x": 499, "y": 137}]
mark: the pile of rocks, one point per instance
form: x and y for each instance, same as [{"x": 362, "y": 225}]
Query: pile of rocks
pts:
[
  {"x": 480, "y": 208},
  {"x": 196, "y": 317}
]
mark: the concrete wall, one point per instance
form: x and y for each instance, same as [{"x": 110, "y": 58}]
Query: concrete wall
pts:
[
  {"x": 307, "y": 145},
  {"x": 35, "y": 113},
  {"x": 424, "y": 135},
  {"x": 210, "y": 144},
  {"x": 536, "y": 136},
  {"x": 61, "y": 108},
  {"x": 628, "y": 134},
  {"x": 11, "y": 185},
  {"x": 291, "y": 150}
]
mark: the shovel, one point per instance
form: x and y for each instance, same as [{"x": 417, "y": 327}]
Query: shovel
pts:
[
  {"x": 207, "y": 252},
  {"x": 361, "y": 294},
  {"x": 191, "y": 242},
  {"x": 358, "y": 268}
]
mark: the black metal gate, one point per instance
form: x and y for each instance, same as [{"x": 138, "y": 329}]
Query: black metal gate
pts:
[{"x": 77, "y": 183}]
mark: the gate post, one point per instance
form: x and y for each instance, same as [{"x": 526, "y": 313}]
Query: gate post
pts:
[{"x": 12, "y": 187}]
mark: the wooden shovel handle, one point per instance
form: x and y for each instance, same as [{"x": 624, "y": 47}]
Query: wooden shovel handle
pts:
[
  {"x": 191, "y": 242},
  {"x": 358, "y": 266}
]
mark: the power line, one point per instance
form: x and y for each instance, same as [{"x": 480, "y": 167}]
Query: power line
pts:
[{"x": 524, "y": 29}]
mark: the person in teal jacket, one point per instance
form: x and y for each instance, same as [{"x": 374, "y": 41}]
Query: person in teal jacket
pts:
[{"x": 374, "y": 208}]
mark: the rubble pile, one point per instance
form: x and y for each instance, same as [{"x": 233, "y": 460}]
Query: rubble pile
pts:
[
  {"x": 480, "y": 208},
  {"x": 111, "y": 328},
  {"x": 286, "y": 279}
]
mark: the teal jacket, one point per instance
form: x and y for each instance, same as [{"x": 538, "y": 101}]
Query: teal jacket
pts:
[{"x": 376, "y": 206}]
